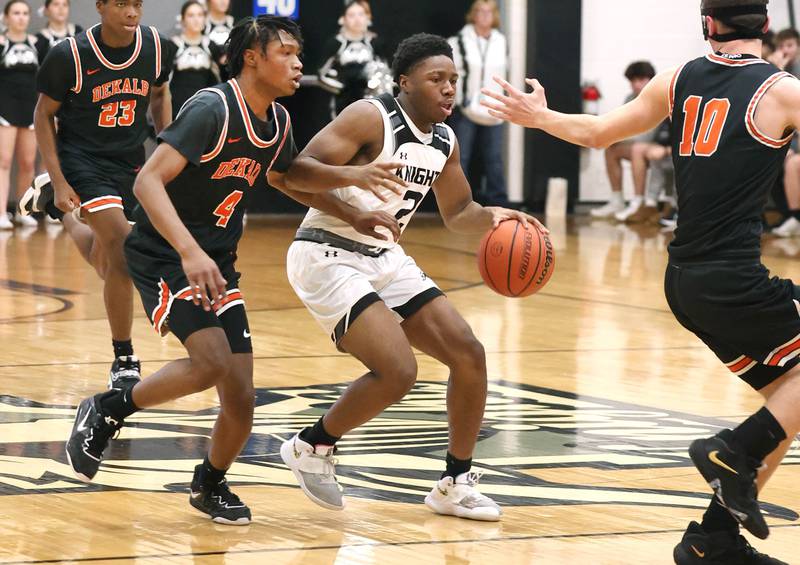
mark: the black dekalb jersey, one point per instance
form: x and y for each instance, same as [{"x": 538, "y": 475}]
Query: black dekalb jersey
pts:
[
  {"x": 230, "y": 152},
  {"x": 724, "y": 166},
  {"x": 105, "y": 92}
]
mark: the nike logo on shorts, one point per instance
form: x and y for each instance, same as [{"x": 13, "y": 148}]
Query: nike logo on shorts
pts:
[{"x": 246, "y": 334}]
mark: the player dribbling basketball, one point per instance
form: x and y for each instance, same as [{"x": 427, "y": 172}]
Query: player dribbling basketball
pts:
[{"x": 368, "y": 295}]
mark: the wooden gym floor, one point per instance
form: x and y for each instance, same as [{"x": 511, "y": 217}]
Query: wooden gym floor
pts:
[{"x": 595, "y": 393}]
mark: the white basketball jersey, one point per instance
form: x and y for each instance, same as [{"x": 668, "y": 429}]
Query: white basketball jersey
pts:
[{"x": 424, "y": 156}]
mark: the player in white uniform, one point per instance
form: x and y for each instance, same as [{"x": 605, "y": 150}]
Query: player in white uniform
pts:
[{"x": 367, "y": 294}]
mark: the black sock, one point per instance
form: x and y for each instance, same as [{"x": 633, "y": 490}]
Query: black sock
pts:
[
  {"x": 122, "y": 348},
  {"x": 456, "y": 467},
  {"x": 316, "y": 435},
  {"x": 760, "y": 434},
  {"x": 795, "y": 214},
  {"x": 718, "y": 519},
  {"x": 118, "y": 405},
  {"x": 210, "y": 475}
]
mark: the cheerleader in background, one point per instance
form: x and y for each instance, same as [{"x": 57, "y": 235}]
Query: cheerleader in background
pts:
[
  {"x": 218, "y": 27},
  {"x": 197, "y": 58},
  {"x": 348, "y": 55},
  {"x": 20, "y": 54},
  {"x": 58, "y": 25}
]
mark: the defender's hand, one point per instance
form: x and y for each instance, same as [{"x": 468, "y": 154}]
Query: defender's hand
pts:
[
  {"x": 366, "y": 222},
  {"x": 65, "y": 197},
  {"x": 517, "y": 107},
  {"x": 378, "y": 177},
  {"x": 205, "y": 279}
]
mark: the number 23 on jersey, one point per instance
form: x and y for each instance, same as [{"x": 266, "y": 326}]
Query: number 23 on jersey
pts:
[{"x": 706, "y": 142}]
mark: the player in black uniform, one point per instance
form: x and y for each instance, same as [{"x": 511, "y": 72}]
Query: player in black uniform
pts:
[
  {"x": 732, "y": 120},
  {"x": 196, "y": 58},
  {"x": 226, "y": 142},
  {"x": 20, "y": 54},
  {"x": 58, "y": 25},
  {"x": 99, "y": 85}
]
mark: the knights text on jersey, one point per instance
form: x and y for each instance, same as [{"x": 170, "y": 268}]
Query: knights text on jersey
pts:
[
  {"x": 424, "y": 156},
  {"x": 105, "y": 92},
  {"x": 724, "y": 166},
  {"x": 229, "y": 153}
]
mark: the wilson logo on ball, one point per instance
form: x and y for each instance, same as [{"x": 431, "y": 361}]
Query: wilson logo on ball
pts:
[{"x": 516, "y": 260}]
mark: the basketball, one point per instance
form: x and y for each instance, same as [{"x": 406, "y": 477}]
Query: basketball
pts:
[{"x": 515, "y": 260}]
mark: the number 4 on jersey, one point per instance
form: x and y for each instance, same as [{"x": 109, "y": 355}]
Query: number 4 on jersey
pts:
[
  {"x": 225, "y": 209},
  {"x": 715, "y": 114}
]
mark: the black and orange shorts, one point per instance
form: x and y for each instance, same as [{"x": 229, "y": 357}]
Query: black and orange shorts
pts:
[
  {"x": 157, "y": 273},
  {"x": 751, "y": 321}
]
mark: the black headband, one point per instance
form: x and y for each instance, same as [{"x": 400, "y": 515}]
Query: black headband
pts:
[{"x": 730, "y": 11}]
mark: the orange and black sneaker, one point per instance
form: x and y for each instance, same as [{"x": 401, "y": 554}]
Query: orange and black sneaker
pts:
[
  {"x": 699, "y": 547},
  {"x": 731, "y": 473}
]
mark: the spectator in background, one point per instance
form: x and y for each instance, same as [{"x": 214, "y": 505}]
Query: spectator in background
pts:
[
  {"x": 348, "y": 55},
  {"x": 196, "y": 61},
  {"x": 638, "y": 73},
  {"x": 218, "y": 27},
  {"x": 20, "y": 55},
  {"x": 58, "y": 25},
  {"x": 480, "y": 52},
  {"x": 791, "y": 186},
  {"x": 787, "y": 42},
  {"x": 768, "y": 45},
  {"x": 650, "y": 156}
]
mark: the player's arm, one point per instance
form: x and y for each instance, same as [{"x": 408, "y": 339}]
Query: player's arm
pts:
[
  {"x": 459, "y": 211},
  {"x": 202, "y": 272},
  {"x": 161, "y": 106},
  {"x": 779, "y": 110},
  {"x": 363, "y": 221},
  {"x": 44, "y": 124},
  {"x": 324, "y": 163},
  {"x": 530, "y": 110}
]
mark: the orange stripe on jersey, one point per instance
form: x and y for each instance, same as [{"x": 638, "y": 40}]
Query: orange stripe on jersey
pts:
[
  {"x": 251, "y": 132},
  {"x": 740, "y": 364},
  {"x": 108, "y": 64},
  {"x": 157, "y": 40},
  {"x": 734, "y": 62},
  {"x": 224, "y": 133},
  {"x": 784, "y": 354},
  {"x": 233, "y": 295},
  {"x": 98, "y": 202},
  {"x": 77, "y": 60},
  {"x": 750, "y": 119},
  {"x": 672, "y": 85},
  {"x": 160, "y": 311},
  {"x": 285, "y": 135}
]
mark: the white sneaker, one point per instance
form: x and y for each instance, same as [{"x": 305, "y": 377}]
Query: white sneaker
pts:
[
  {"x": 5, "y": 222},
  {"x": 460, "y": 497},
  {"x": 315, "y": 471},
  {"x": 632, "y": 207},
  {"x": 25, "y": 221},
  {"x": 608, "y": 210},
  {"x": 789, "y": 228}
]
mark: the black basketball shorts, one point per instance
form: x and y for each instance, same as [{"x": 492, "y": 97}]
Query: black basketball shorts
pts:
[
  {"x": 167, "y": 298},
  {"x": 100, "y": 182},
  {"x": 749, "y": 320}
]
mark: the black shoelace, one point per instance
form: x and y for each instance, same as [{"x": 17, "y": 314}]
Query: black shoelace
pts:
[
  {"x": 223, "y": 491},
  {"x": 103, "y": 432}
]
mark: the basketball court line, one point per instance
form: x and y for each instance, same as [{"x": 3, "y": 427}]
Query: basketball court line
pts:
[
  {"x": 416, "y": 543},
  {"x": 347, "y": 356}
]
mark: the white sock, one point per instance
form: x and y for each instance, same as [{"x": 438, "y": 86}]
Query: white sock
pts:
[{"x": 616, "y": 198}]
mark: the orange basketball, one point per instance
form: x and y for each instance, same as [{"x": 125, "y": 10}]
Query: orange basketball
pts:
[{"x": 516, "y": 261}]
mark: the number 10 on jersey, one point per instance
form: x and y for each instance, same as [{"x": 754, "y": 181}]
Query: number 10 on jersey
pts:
[{"x": 715, "y": 113}]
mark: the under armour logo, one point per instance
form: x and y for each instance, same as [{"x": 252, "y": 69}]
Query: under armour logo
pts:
[
  {"x": 403, "y": 155},
  {"x": 331, "y": 254}
]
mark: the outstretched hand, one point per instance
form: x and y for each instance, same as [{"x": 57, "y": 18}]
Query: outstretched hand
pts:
[
  {"x": 516, "y": 106},
  {"x": 365, "y": 223}
]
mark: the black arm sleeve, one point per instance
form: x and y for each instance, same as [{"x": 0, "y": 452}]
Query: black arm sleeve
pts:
[
  {"x": 168, "y": 52},
  {"x": 288, "y": 151},
  {"x": 197, "y": 128},
  {"x": 57, "y": 74}
]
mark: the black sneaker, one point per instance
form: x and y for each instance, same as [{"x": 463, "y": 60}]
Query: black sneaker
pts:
[
  {"x": 218, "y": 501},
  {"x": 90, "y": 435},
  {"x": 125, "y": 372},
  {"x": 718, "y": 548},
  {"x": 40, "y": 197},
  {"x": 732, "y": 475}
]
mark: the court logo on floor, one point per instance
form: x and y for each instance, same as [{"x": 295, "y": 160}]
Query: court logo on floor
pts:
[{"x": 534, "y": 448}]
